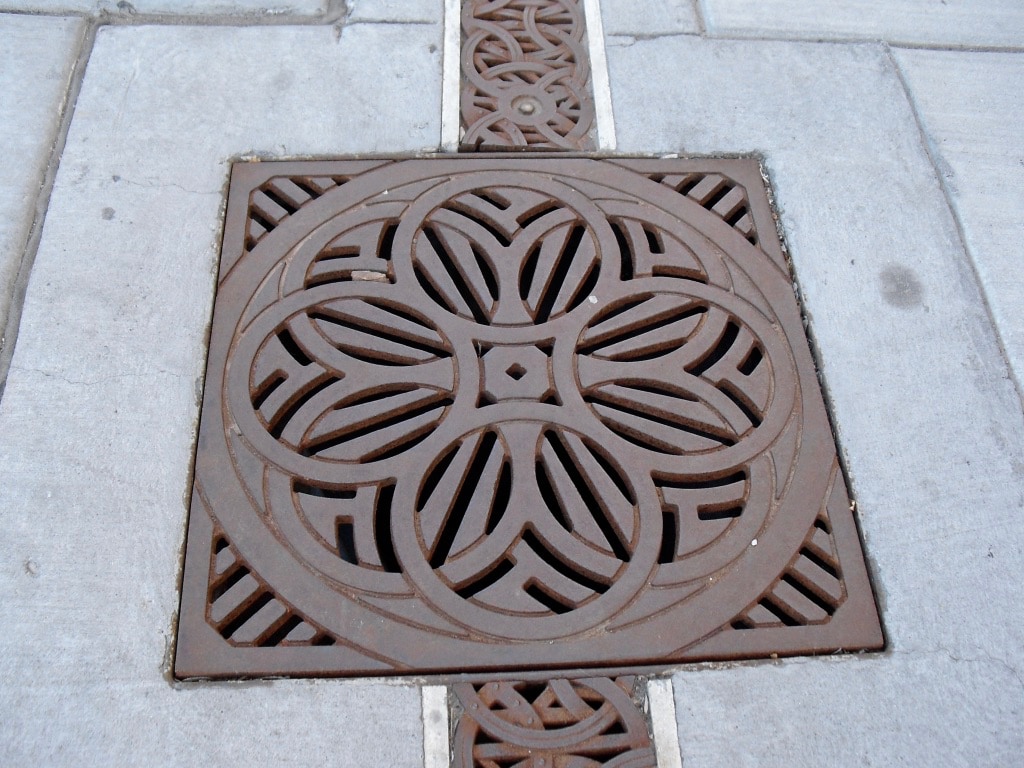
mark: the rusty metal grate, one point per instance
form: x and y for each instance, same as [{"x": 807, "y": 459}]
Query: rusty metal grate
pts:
[
  {"x": 525, "y": 76},
  {"x": 586, "y": 722},
  {"x": 487, "y": 413}
]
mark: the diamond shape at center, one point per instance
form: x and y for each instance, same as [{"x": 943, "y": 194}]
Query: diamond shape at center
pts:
[{"x": 520, "y": 372}]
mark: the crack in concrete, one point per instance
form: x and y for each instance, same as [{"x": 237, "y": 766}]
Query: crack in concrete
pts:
[
  {"x": 983, "y": 657},
  {"x": 622, "y": 40},
  {"x": 101, "y": 379},
  {"x": 148, "y": 184}
]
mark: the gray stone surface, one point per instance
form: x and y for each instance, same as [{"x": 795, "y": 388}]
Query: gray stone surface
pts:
[
  {"x": 931, "y": 709},
  {"x": 36, "y": 59},
  {"x": 972, "y": 112},
  {"x": 929, "y": 22},
  {"x": 627, "y": 17},
  {"x": 98, "y": 419},
  {"x": 928, "y": 420},
  {"x": 396, "y": 10},
  {"x": 172, "y": 7}
]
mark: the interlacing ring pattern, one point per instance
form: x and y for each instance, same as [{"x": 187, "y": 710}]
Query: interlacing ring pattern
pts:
[
  {"x": 526, "y": 406},
  {"x": 587, "y": 723},
  {"x": 526, "y": 75}
]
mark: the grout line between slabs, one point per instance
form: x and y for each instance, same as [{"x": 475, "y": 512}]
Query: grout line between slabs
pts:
[
  {"x": 606, "y": 138},
  {"x": 436, "y": 750},
  {"x": 738, "y": 36},
  {"x": 662, "y": 703},
  {"x": 12, "y": 323},
  {"x": 336, "y": 13},
  {"x": 700, "y": 13},
  {"x": 956, "y": 48},
  {"x": 931, "y": 152},
  {"x": 450, "y": 76},
  {"x": 639, "y": 37}
]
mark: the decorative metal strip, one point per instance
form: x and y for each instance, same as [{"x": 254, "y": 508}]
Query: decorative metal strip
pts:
[
  {"x": 588, "y": 722},
  {"x": 526, "y": 76},
  {"x": 489, "y": 413}
]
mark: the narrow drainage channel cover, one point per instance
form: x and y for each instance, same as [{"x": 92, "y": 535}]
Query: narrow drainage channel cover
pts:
[
  {"x": 526, "y": 80},
  {"x": 587, "y": 722},
  {"x": 483, "y": 413}
]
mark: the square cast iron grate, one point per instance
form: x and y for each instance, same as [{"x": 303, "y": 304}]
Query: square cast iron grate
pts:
[{"x": 482, "y": 414}]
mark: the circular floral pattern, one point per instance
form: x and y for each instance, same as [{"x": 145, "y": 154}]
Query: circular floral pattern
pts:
[{"x": 493, "y": 388}]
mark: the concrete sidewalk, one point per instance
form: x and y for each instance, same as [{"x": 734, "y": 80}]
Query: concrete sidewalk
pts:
[{"x": 893, "y": 134}]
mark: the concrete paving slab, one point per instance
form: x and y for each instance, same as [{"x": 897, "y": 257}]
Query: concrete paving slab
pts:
[
  {"x": 971, "y": 109},
  {"x": 626, "y": 17},
  {"x": 925, "y": 22},
  {"x": 36, "y": 60},
  {"x": 295, "y": 8},
  {"x": 396, "y": 10},
  {"x": 927, "y": 417},
  {"x": 931, "y": 709},
  {"x": 98, "y": 419}
]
